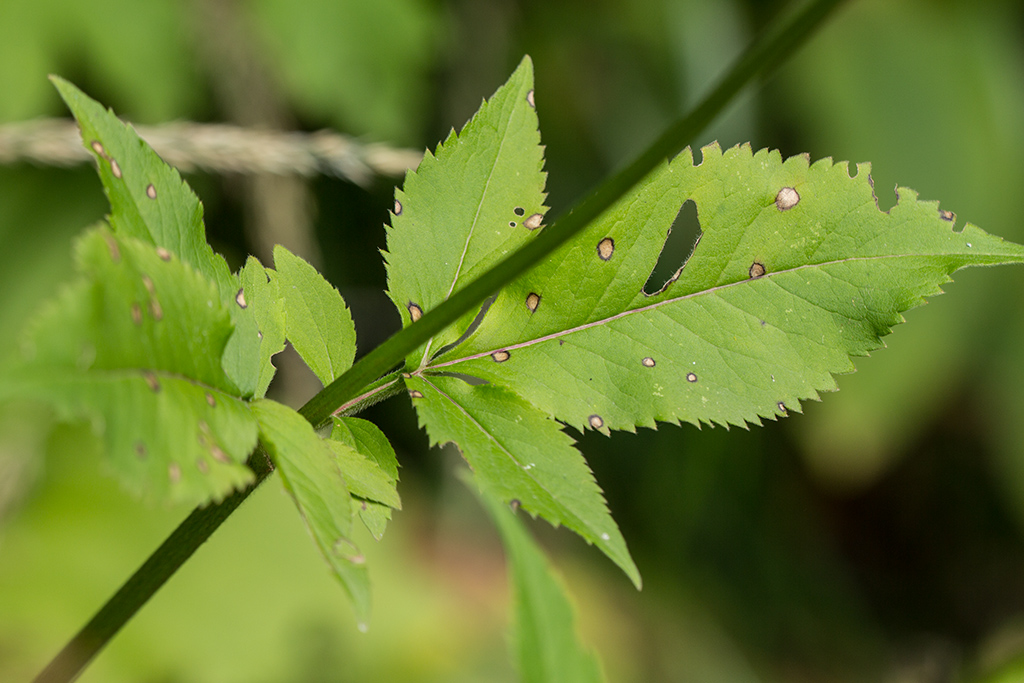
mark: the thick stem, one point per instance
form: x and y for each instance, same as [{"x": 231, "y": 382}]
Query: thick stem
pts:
[{"x": 772, "y": 48}]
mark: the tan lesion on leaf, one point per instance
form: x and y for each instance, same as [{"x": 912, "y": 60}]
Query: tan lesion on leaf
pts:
[
  {"x": 787, "y": 198},
  {"x": 415, "y": 312},
  {"x": 532, "y": 301},
  {"x": 606, "y": 248}
]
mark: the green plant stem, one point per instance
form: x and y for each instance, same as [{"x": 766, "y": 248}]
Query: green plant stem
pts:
[
  {"x": 769, "y": 51},
  {"x": 773, "y": 47},
  {"x": 148, "y": 579}
]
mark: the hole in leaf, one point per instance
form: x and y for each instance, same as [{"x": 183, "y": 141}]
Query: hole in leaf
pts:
[{"x": 679, "y": 245}]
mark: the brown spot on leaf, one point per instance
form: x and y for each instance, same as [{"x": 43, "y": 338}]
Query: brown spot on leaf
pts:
[
  {"x": 155, "y": 309},
  {"x": 947, "y": 215},
  {"x": 152, "y": 381},
  {"x": 648, "y": 362},
  {"x": 174, "y": 472},
  {"x": 140, "y": 450},
  {"x": 97, "y": 147},
  {"x": 415, "y": 393},
  {"x": 529, "y": 98},
  {"x": 218, "y": 454},
  {"x": 605, "y": 248},
  {"x": 115, "y": 251},
  {"x": 533, "y": 221},
  {"x": 782, "y": 408},
  {"x": 757, "y": 269},
  {"x": 501, "y": 356},
  {"x": 163, "y": 254},
  {"x": 415, "y": 312},
  {"x": 532, "y": 301},
  {"x": 202, "y": 466},
  {"x": 115, "y": 169},
  {"x": 691, "y": 377},
  {"x": 151, "y": 191},
  {"x": 596, "y": 421},
  {"x": 136, "y": 314},
  {"x": 787, "y": 198},
  {"x": 240, "y": 299},
  {"x": 398, "y": 208},
  {"x": 210, "y": 400},
  {"x": 147, "y": 283}
]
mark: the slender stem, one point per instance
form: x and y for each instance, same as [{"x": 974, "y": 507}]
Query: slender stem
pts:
[
  {"x": 773, "y": 47},
  {"x": 148, "y": 579}
]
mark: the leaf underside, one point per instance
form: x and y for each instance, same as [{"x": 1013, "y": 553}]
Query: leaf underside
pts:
[
  {"x": 150, "y": 202},
  {"x": 133, "y": 347},
  {"x": 312, "y": 477},
  {"x": 795, "y": 272}
]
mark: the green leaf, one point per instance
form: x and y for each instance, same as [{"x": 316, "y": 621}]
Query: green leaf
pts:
[
  {"x": 544, "y": 635},
  {"x": 134, "y": 347},
  {"x": 467, "y": 206},
  {"x": 262, "y": 294},
  {"x": 518, "y": 454},
  {"x": 795, "y": 272},
  {"x": 149, "y": 201},
  {"x": 310, "y": 473},
  {"x": 368, "y": 463},
  {"x": 318, "y": 324},
  {"x": 366, "y": 437}
]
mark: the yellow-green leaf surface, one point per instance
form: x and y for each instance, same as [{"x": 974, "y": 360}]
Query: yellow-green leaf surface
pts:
[
  {"x": 134, "y": 347},
  {"x": 795, "y": 272},
  {"x": 311, "y": 475},
  {"x": 468, "y": 205},
  {"x": 368, "y": 463},
  {"x": 267, "y": 324},
  {"x": 149, "y": 201},
  {"x": 519, "y": 454},
  {"x": 544, "y": 631},
  {"x": 317, "y": 322}
]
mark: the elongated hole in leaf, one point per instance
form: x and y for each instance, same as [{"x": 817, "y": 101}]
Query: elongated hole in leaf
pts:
[
  {"x": 470, "y": 330},
  {"x": 680, "y": 242}
]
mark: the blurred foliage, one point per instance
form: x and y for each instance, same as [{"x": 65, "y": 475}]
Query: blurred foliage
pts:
[{"x": 880, "y": 536}]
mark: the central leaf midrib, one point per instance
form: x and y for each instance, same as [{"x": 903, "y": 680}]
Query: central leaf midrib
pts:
[{"x": 684, "y": 297}]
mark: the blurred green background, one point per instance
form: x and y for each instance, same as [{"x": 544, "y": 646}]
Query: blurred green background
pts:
[{"x": 877, "y": 536}]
